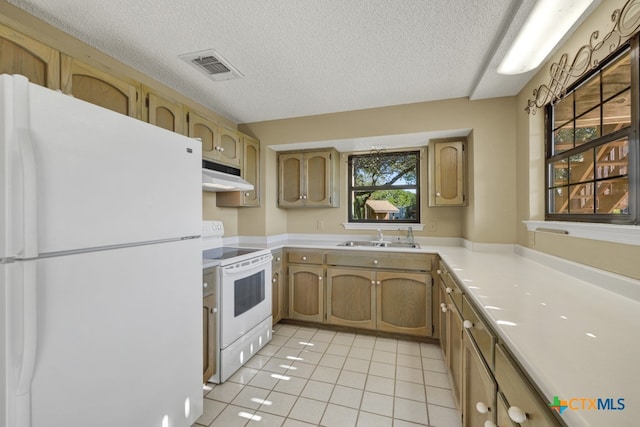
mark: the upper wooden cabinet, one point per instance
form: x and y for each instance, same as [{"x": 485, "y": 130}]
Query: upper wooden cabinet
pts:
[
  {"x": 309, "y": 179},
  {"x": 229, "y": 148},
  {"x": 163, "y": 112},
  {"x": 22, "y": 55},
  {"x": 100, "y": 88},
  {"x": 250, "y": 173},
  {"x": 199, "y": 126},
  {"x": 447, "y": 172}
]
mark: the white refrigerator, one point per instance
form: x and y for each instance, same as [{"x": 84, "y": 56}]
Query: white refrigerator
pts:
[{"x": 100, "y": 266}]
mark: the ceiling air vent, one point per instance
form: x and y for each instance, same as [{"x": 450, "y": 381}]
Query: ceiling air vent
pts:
[{"x": 212, "y": 64}]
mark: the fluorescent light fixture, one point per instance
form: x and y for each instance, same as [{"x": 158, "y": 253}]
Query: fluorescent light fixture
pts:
[{"x": 547, "y": 23}]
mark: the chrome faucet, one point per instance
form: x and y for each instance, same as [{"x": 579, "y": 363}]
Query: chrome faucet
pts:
[{"x": 410, "y": 235}]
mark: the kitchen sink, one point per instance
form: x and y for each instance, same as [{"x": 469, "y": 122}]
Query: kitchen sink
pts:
[{"x": 379, "y": 244}]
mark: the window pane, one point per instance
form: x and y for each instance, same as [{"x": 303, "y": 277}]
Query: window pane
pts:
[
  {"x": 616, "y": 77},
  {"x": 563, "y": 111},
  {"x": 613, "y": 196},
  {"x": 560, "y": 172},
  {"x": 588, "y": 127},
  {"x": 613, "y": 159},
  {"x": 378, "y": 170},
  {"x": 617, "y": 112},
  {"x": 581, "y": 167},
  {"x": 588, "y": 95},
  {"x": 563, "y": 138},
  {"x": 558, "y": 200},
  {"x": 385, "y": 205},
  {"x": 581, "y": 198}
]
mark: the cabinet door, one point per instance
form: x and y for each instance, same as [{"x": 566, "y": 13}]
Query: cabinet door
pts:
[
  {"x": 229, "y": 148},
  {"x": 97, "y": 87},
  {"x": 208, "y": 337},
  {"x": 306, "y": 293},
  {"x": 447, "y": 173},
  {"x": 404, "y": 302},
  {"x": 455, "y": 351},
  {"x": 351, "y": 298},
  {"x": 520, "y": 394},
  {"x": 444, "y": 324},
  {"x": 205, "y": 129},
  {"x": 290, "y": 180},
  {"x": 317, "y": 174},
  {"x": 251, "y": 170},
  {"x": 21, "y": 55},
  {"x": 164, "y": 112},
  {"x": 479, "y": 387},
  {"x": 502, "y": 415}
]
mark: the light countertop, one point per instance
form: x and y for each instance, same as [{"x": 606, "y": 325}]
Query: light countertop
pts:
[{"x": 575, "y": 338}]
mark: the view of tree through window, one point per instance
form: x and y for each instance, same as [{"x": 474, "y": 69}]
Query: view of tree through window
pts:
[{"x": 384, "y": 187}]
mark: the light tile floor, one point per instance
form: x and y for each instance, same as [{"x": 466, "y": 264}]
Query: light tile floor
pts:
[{"x": 315, "y": 377}]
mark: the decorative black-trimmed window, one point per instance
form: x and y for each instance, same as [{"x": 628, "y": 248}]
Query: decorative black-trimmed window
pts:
[
  {"x": 592, "y": 145},
  {"x": 384, "y": 187}
]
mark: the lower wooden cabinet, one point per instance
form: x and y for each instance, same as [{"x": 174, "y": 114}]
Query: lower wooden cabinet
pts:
[
  {"x": 404, "y": 302},
  {"x": 351, "y": 297},
  {"x": 209, "y": 336},
  {"x": 455, "y": 352},
  {"x": 479, "y": 388},
  {"x": 277, "y": 290},
  {"x": 519, "y": 395},
  {"x": 306, "y": 293}
]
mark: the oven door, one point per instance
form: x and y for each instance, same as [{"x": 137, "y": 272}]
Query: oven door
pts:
[{"x": 245, "y": 289}]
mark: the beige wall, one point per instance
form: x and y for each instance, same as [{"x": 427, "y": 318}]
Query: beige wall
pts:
[
  {"x": 618, "y": 258},
  {"x": 491, "y": 154}
]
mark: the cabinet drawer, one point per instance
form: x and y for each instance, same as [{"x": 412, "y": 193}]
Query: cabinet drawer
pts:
[
  {"x": 277, "y": 257},
  {"x": 377, "y": 259},
  {"x": 300, "y": 256},
  {"x": 451, "y": 288},
  {"x": 519, "y": 393},
  {"x": 482, "y": 336}
]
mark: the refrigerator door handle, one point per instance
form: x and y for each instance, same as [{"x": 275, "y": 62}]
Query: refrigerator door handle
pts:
[{"x": 24, "y": 145}]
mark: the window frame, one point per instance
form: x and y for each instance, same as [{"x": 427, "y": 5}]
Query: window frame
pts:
[
  {"x": 630, "y": 132},
  {"x": 351, "y": 188}
]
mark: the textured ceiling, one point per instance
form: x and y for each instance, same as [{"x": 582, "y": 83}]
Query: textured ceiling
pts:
[{"x": 305, "y": 57}]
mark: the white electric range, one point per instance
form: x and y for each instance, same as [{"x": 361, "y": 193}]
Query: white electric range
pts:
[{"x": 243, "y": 299}]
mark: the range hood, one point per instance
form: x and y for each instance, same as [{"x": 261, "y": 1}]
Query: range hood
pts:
[{"x": 217, "y": 177}]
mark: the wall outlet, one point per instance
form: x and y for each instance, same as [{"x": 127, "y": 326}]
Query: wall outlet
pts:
[{"x": 431, "y": 226}]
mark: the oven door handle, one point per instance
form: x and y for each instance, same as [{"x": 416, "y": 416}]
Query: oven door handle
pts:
[{"x": 244, "y": 266}]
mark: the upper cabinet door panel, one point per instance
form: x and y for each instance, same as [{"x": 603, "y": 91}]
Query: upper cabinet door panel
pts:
[
  {"x": 163, "y": 112},
  {"x": 229, "y": 147},
  {"x": 290, "y": 179},
  {"x": 447, "y": 172},
  {"x": 318, "y": 174},
  {"x": 22, "y": 55},
  {"x": 97, "y": 87},
  {"x": 205, "y": 129}
]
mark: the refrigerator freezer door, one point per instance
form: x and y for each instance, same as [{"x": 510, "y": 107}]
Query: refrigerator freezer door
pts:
[
  {"x": 119, "y": 338},
  {"x": 101, "y": 178}
]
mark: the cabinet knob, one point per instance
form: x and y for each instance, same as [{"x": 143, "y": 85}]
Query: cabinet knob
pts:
[
  {"x": 375, "y": 261},
  {"x": 517, "y": 415},
  {"x": 438, "y": 194},
  {"x": 439, "y": 271},
  {"x": 482, "y": 407},
  {"x": 273, "y": 280},
  {"x": 319, "y": 277},
  {"x": 448, "y": 290},
  {"x": 444, "y": 309},
  {"x": 277, "y": 258},
  {"x": 246, "y": 194},
  {"x": 468, "y": 324},
  {"x": 300, "y": 197},
  {"x": 205, "y": 284},
  {"x": 378, "y": 282},
  {"x": 215, "y": 310},
  {"x": 443, "y": 304},
  {"x": 304, "y": 197},
  {"x": 489, "y": 424},
  {"x": 304, "y": 258},
  {"x": 373, "y": 282}
]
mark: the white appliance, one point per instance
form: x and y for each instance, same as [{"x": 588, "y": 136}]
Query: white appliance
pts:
[
  {"x": 100, "y": 275},
  {"x": 244, "y": 307}
]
